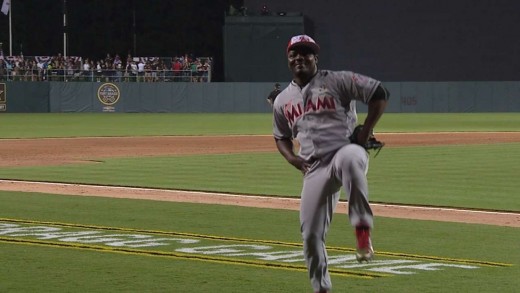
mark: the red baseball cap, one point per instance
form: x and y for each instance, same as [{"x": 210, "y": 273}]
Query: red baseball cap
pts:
[{"x": 303, "y": 41}]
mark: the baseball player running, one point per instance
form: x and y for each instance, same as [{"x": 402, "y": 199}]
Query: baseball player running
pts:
[{"x": 318, "y": 109}]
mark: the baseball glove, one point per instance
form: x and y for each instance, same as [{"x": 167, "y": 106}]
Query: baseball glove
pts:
[{"x": 371, "y": 144}]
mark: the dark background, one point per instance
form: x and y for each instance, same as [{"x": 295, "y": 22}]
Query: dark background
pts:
[
  {"x": 414, "y": 40},
  {"x": 405, "y": 40}
]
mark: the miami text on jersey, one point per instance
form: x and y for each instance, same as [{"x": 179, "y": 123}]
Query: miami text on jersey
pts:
[{"x": 294, "y": 111}]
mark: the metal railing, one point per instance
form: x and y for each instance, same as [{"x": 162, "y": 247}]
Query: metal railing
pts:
[
  {"x": 72, "y": 68},
  {"x": 106, "y": 75}
]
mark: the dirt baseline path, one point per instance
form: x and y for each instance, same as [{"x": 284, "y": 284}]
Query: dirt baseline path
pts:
[
  {"x": 56, "y": 151},
  {"x": 380, "y": 210}
]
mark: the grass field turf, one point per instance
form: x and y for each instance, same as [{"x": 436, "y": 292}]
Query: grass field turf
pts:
[
  {"x": 145, "y": 124},
  {"x": 52, "y": 269},
  {"x": 29, "y": 268},
  {"x": 469, "y": 176}
]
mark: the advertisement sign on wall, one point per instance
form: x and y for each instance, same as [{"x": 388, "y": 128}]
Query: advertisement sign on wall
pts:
[{"x": 108, "y": 94}]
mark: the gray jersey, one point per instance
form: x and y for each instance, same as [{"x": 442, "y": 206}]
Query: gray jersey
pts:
[{"x": 322, "y": 115}]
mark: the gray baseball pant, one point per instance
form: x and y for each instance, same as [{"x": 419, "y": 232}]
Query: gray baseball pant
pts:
[{"x": 320, "y": 194}]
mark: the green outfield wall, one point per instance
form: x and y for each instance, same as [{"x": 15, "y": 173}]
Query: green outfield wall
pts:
[{"x": 180, "y": 97}]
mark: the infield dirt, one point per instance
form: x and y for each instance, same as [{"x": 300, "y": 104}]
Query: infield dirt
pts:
[{"x": 56, "y": 151}]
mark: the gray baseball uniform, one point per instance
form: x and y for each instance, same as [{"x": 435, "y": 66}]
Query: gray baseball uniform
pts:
[{"x": 321, "y": 116}]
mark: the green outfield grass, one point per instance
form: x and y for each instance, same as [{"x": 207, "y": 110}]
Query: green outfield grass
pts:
[
  {"x": 467, "y": 176},
  {"x": 470, "y": 176},
  {"x": 145, "y": 124}
]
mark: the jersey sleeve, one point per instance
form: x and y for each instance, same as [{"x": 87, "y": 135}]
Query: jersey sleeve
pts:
[{"x": 358, "y": 86}]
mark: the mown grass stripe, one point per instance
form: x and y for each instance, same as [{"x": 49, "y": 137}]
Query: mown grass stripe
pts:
[
  {"x": 446, "y": 259},
  {"x": 246, "y": 240},
  {"x": 221, "y": 260},
  {"x": 153, "y": 232},
  {"x": 426, "y": 257}
]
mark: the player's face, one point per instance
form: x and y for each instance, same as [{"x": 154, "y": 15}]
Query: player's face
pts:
[{"x": 302, "y": 61}]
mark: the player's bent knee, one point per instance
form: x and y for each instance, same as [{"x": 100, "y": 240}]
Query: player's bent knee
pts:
[{"x": 351, "y": 155}]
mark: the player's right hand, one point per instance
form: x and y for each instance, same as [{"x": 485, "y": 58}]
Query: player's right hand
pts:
[{"x": 301, "y": 164}]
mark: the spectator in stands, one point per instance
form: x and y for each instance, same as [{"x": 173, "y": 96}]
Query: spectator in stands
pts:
[
  {"x": 204, "y": 70},
  {"x": 119, "y": 72},
  {"x": 177, "y": 69},
  {"x": 32, "y": 71},
  {"x": 77, "y": 68},
  {"x": 200, "y": 69},
  {"x": 117, "y": 60},
  {"x": 127, "y": 72},
  {"x": 135, "y": 71},
  {"x": 109, "y": 69},
  {"x": 73, "y": 68},
  {"x": 61, "y": 70},
  {"x": 55, "y": 68},
  {"x": 3, "y": 70},
  {"x": 23, "y": 70},
  {"x": 42, "y": 68},
  {"x": 147, "y": 72},
  {"x": 22, "y": 63},
  {"x": 108, "y": 59},
  {"x": 162, "y": 70},
  {"x": 186, "y": 68},
  {"x": 58, "y": 68},
  {"x": 58, "y": 59},
  {"x": 86, "y": 70},
  {"x": 194, "y": 70},
  {"x": 47, "y": 70},
  {"x": 155, "y": 68},
  {"x": 140, "y": 70},
  {"x": 99, "y": 71},
  {"x": 15, "y": 73}
]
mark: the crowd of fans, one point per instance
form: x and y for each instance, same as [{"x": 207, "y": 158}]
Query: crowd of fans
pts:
[{"x": 109, "y": 69}]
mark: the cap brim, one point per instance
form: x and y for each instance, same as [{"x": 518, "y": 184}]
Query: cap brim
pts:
[{"x": 314, "y": 47}]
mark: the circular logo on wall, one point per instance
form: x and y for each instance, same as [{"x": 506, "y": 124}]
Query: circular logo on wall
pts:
[{"x": 108, "y": 94}]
